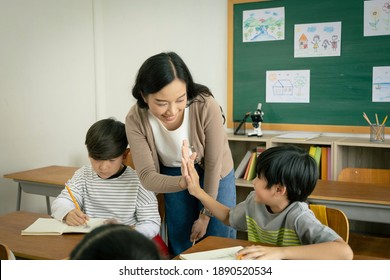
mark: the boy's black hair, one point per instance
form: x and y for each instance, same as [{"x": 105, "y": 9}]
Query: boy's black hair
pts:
[
  {"x": 115, "y": 242},
  {"x": 106, "y": 139},
  {"x": 289, "y": 166}
]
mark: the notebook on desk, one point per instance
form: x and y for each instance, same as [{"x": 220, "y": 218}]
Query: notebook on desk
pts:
[
  {"x": 218, "y": 254},
  {"x": 50, "y": 226}
]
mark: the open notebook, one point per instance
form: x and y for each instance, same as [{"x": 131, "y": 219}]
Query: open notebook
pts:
[
  {"x": 218, "y": 254},
  {"x": 49, "y": 226}
]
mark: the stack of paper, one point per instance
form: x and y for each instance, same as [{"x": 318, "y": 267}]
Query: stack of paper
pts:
[{"x": 299, "y": 135}]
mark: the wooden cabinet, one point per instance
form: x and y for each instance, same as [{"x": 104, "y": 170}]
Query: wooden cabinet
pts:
[{"x": 360, "y": 153}]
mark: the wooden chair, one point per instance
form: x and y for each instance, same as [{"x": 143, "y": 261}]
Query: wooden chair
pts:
[
  {"x": 365, "y": 175},
  {"x": 128, "y": 160},
  {"x": 333, "y": 218},
  {"x": 6, "y": 253}
]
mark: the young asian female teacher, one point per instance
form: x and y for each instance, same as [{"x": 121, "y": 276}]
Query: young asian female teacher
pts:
[{"x": 171, "y": 108}]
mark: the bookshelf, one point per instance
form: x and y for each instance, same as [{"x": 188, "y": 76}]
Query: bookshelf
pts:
[{"x": 345, "y": 152}]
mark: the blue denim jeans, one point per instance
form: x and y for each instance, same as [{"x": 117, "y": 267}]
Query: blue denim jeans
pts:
[{"x": 182, "y": 210}]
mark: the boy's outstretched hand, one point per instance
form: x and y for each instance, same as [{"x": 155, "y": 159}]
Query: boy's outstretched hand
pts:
[
  {"x": 185, "y": 157},
  {"x": 192, "y": 178}
]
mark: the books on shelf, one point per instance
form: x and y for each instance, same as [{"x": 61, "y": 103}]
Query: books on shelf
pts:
[
  {"x": 329, "y": 163},
  {"x": 322, "y": 156},
  {"x": 247, "y": 167},
  {"x": 317, "y": 156},
  {"x": 324, "y": 163},
  {"x": 50, "y": 226},
  {"x": 240, "y": 171},
  {"x": 253, "y": 155},
  {"x": 312, "y": 151},
  {"x": 217, "y": 254},
  {"x": 252, "y": 167}
]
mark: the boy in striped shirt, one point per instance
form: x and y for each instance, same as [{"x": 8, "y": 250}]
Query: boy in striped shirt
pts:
[{"x": 107, "y": 188}]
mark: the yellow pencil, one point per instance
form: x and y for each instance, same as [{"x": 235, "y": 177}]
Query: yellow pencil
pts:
[
  {"x": 377, "y": 121},
  {"x": 379, "y": 130},
  {"x": 72, "y": 197},
  {"x": 384, "y": 121}
]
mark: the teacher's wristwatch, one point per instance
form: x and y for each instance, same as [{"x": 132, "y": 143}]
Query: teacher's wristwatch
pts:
[{"x": 206, "y": 212}]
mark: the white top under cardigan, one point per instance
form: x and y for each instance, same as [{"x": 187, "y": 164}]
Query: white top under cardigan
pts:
[{"x": 169, "y": 142}]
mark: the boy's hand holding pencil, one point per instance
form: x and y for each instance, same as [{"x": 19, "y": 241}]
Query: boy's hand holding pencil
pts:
[{"x": 75, "y": 217}]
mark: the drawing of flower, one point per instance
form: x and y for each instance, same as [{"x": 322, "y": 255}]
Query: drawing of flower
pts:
[
  {"x": 375, "y": 15},
  {"x": 386, "y": 9}
]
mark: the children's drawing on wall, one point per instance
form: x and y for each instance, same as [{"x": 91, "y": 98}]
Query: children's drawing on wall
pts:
[
  {"x": 317, "y": 39},
  {"x": 263, "y": 25},
  {"x": 288, "y": 86},
  {"x": 376, "y": 17},
  {"x": 381, "y": 84}
]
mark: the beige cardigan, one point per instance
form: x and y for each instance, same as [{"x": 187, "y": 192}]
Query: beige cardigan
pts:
[{"x": 207, "y": 137}]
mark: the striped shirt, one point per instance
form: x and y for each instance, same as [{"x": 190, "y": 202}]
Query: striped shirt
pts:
[
  {"x": 295, "y": 225},
  {"x": 122, "y": 198}
]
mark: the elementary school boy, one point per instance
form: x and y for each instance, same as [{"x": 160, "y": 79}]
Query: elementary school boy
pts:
[
  {"x": 107, "y": 188},
  {"x": 276, "y": 212}
]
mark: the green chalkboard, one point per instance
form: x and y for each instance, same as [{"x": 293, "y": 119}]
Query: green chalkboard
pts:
[{"x": 340, "y": 86}]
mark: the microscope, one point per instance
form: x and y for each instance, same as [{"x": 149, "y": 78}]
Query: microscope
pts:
[{"x": 257, "y": 118}]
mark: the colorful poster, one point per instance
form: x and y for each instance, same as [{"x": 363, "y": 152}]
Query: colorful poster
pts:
[
  {"x": 289, "y": 86},
  {"x": 263, "y": 25},
  {"x": 376, "y": 18},
  {"x": 317, "y": 39},
  {"x": 381, "y": 84}
]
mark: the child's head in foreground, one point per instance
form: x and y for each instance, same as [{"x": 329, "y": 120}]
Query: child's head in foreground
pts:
[
  {"x": 290, "y": 167},
  {"x": 115, "y": 242}
]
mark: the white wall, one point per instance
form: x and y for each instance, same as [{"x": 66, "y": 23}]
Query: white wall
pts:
[
  {"x": 66, "y": 63},
  {"x": 134, "y": 30}
]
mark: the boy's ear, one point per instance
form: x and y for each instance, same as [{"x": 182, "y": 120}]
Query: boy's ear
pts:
[{"x": 281, "y": 189}]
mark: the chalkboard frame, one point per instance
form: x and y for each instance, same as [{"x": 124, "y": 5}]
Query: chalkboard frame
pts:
[{"x": 361, "y": 127}]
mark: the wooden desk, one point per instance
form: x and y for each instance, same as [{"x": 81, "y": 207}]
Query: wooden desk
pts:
[
  {"x": 359, "y": 201},
  {"x": 38, "y": 247},
  {"x": 214, "y": 242},
  {"x": 47, "y": 181}
]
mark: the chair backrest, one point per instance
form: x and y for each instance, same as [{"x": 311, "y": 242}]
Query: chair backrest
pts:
[
  {"x": 6, "y": 253},
  {"x": 333, "y": 218},
  {"x": 128, "y": 160},
  {"x": 365, "y": 175}
]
